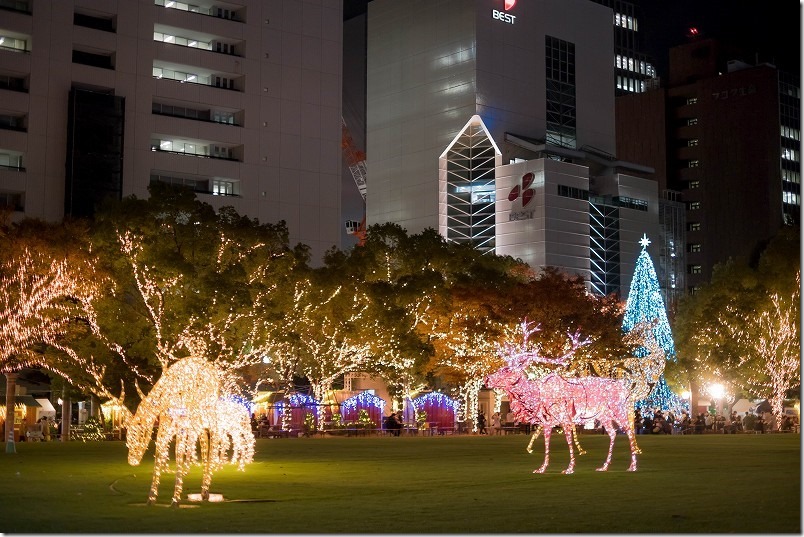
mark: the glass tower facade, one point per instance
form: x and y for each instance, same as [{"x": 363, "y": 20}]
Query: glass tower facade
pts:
[{"x": 470, "y": 162}]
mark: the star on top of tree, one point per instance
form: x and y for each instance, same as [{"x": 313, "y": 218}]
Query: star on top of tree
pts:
[{"x": 644, "y": 241}]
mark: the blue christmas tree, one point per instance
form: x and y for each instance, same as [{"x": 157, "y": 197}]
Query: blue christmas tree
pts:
[{"x": 645, "y": 304}]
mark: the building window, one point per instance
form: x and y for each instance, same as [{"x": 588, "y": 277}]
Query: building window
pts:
[
  {"x": 692, "y": 100},
  {"x": 694, "y": 226},
  {"x": 182, "y": 41},
  {"x": 560, "y": 102},
  {"x": 791, "y": 198},
  {"x": 791, "y": 132},
  {"x": 12, "y": 200},
  {"x": 694, "y": 269},
  {"x": 692, "y": 121},
  {"x": 693, "y": 205},
  {"x": 23, "y": 6},
  {"x": 11, "y": 161},
  {"x": 694, "y": 163},
  {"x": 692, "y": 185},
  {"x": 12, "y": 122},
  {"x": 13, "y": 43},
  {"x": 105, "y": 24},
  {"x": 631, "y": 203},
  {"x": 572, "y": 192},
  {"x": 221, "y": 187},
  {"x": 194, "y": 184},
  {"x": 694, "y": 248},
  {"x": 692, "y": 143},
  {"x": 104, "y": 61},
  {"x": 470, "y": 188},
  {"x": 791, "y": 176},
  {"x": 13, "y": 83},
  {"x": 214, "y": 11},
  {"x": 193, "y": 149}
]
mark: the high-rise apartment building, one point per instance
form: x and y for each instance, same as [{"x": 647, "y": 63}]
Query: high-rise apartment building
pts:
[
  {"x": 238, "y": 100},
  {"x": 633, "y": 70},
  {"x": 493, "y": 122},
  {"x": 729, "y": 132}
]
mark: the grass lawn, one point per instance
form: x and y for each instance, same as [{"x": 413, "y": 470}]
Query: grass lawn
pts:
[{"x": 460, "y": 484}]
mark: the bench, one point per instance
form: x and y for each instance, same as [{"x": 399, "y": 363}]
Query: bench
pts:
[{"x": 272, "y": 432}]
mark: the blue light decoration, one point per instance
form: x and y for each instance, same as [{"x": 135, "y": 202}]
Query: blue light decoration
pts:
[
  {"x": 439, "y": 408},
  {"x": 645, "y": 304},
  {"x": 298, "y": 405},
  {"x": 364, "y": 401},
  {"x": 435, "y": 399},
  {"x": 239, "y": 399}
]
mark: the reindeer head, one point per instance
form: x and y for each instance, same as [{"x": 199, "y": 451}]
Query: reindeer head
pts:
[{"x": 138, "y": 437}]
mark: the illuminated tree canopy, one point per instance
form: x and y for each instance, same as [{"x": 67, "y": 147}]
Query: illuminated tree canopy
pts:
[{"x": 743, "y": 328}]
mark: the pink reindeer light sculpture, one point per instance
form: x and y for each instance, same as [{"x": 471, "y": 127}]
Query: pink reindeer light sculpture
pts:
[{"x": 555, "y": 400}]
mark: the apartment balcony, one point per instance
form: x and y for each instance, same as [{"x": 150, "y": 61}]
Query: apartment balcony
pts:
[
  {"x": 15, "y": 6},
  {"x": 196, "y": 157},
  {"x": 191, "y": 129},
  {"x": 203, "y": 16}
]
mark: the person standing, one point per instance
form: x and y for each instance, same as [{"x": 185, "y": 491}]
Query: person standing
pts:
[
  {"x": 44, "y": 423},
  {"x": 496, "y": 426},
  {"x": 481, "y": 423}
]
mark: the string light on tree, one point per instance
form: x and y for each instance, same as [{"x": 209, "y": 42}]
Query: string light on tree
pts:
[{"x": 771, "y": 340}]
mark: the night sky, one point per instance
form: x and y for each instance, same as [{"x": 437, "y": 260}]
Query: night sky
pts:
[{"x": 769, "y": 29}]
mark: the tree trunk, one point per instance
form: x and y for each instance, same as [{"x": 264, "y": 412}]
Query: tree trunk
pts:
[
  {"x": 11, "y": 387},
  {"x": 66, "y": 415},
  {"x": 94, "y": 407}
]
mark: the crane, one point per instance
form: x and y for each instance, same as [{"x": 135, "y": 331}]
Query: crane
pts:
[{"x": 356, "y": 160}]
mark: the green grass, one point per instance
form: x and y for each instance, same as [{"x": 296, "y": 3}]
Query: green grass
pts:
[{"x": 461, "y": 484}]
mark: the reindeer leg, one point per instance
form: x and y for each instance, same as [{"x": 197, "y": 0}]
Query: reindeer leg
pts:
[
  {"x": 533, "y": 438},
  {"x": 569, "y": 430},
  {"x": 161, "y": 455},
  {"x": 181, "y": 469},
  {"x": 581, "y": 451},
  {"x": 547, "y": 432},
  {"x": 612, "y": 434},
  {"x": 634, "y": 449}
]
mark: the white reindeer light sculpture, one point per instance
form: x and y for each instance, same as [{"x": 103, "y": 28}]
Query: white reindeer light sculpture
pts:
[{"x": 187, "y": 404}]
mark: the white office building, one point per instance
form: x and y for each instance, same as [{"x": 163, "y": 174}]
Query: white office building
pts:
[
  {"x": 492, "y": 121},
  {"x": 238, "y": 100}
]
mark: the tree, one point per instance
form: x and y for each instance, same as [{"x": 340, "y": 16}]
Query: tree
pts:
[
  {"x": 771, "y": 350},
  {"x": 47, "y": 288},
  {"x": 738, "y": 329},
  {"x": 645, "y": 305},
  {"x": 192, "y": 280},
  {"x": 560, "y": 304}
]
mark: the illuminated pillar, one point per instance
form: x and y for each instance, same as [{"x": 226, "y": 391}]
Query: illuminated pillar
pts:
[{"x": 11, "y": 388}]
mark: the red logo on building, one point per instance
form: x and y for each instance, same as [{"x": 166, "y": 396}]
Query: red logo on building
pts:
[
  {"x": 509, "y": 4},
  {"x": 523, "y": 189}
]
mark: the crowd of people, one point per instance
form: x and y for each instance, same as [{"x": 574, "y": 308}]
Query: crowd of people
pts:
[{"x": 705, "y": 422}]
